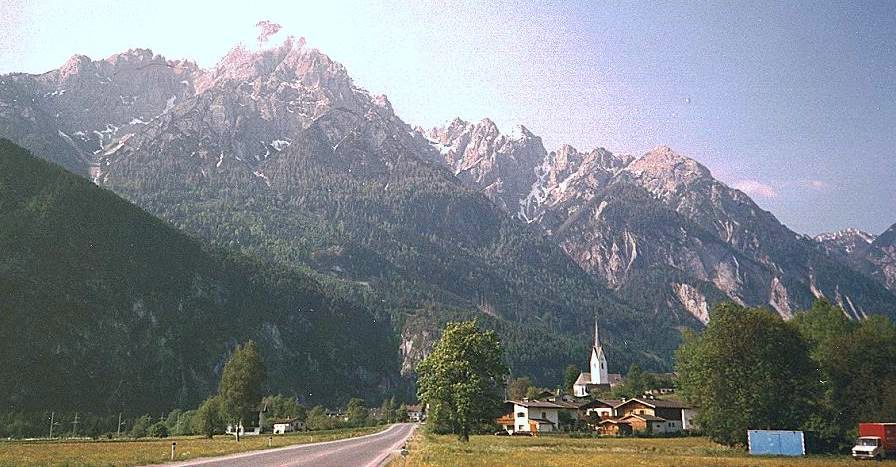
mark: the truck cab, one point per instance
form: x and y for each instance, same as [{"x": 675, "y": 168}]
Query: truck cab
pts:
[{"x": 868, "y": 447}]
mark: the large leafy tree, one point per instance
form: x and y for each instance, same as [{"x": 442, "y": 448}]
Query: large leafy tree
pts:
[
  {"x": 518, "y": 388},
  {"x": 241, "y": 383},
  {"x": 857, "y": 362},
  {"x": 637, "y": 382},
  {"x": 281, "y": 407},
  {"x": 570, "y": 375},
  {"x": 357, "y": 412},
  {"x": 461, "y": 379},
  {"x": 207, "y": 419},
  {"x": 747, "y": 370}
]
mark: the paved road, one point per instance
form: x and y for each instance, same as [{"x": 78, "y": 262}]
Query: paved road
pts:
[{"x": 370, "y": 450}]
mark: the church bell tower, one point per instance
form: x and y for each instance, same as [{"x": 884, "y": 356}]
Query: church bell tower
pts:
[{"x": 598, "y": 361}]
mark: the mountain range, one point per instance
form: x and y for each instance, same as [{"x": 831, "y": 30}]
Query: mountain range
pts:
[
  {"x": 660, "y": 222},
  {"x": 276, "y": 155}
]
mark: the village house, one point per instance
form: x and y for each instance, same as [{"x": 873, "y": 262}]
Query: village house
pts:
[
  {"x": 601, "y": 408},
  {"x": 644, "y": 423},
  {"x": 287, "y": 426},
  {"x": 531, "y": 416},
  {"x": 416, "y": 412},
  {"x": 252, "y": 426},
  {"x": 598, "y": 379},
  {"x": 676, "y": 415},
  {"x": 611, "y": 426}
]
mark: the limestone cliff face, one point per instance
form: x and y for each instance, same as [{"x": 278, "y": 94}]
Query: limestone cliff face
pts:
[{"x": 658, "y": 228}]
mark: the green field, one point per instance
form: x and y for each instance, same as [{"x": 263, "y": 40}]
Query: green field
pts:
[
  {"x": 432, "y": 450},
  {"x": 150, "y": 451}
]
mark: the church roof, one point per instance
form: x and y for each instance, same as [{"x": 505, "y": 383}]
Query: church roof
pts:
[{"x": 584, "y": 378}]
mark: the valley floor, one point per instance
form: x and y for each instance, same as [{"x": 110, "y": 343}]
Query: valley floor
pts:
[
  {"x": 561, "y": 450},
  {"x": 152, "y": 451}
]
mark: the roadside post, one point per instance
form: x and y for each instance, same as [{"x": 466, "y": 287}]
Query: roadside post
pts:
[
  {"x": 270, "y": 441},
  {"x": 173, "y": 447}
]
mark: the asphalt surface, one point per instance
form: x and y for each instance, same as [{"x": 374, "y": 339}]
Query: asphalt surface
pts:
[{"x": 367, "y": 451}]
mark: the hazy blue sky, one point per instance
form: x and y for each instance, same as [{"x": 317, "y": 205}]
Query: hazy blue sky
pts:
[{"x": 794, "y": 102}]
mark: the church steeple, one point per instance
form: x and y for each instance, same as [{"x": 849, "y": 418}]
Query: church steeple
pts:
[{"x": 598, "y": 365}]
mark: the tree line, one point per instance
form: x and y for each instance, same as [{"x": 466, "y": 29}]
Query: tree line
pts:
[
  {"x": 819, "y": 372},
  {"x": 238, "y": 400}
]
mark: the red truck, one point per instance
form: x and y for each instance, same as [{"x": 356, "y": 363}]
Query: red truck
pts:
[{"x": 876, "y": 441}]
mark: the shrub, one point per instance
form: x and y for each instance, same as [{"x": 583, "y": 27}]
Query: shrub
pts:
[{"x": 158, "y": 430}]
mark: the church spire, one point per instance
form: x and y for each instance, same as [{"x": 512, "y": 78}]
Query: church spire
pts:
[{"x": 596, "y": 337}]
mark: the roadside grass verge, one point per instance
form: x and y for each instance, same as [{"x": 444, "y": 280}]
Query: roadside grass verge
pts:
[
  {"x": 561, "y": 450},
  {"x": 123, "y": 452}
]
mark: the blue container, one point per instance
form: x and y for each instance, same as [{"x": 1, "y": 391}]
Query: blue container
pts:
[{"x": 776, "y": 443}]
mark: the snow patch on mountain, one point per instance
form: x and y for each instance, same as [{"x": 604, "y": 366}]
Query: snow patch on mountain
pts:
[
  {"x": 262, "y": 176},
  {"x": 280, "y": 144}
]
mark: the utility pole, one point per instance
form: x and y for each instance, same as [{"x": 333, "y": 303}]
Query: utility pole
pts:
[
  {"x": 118, "y": 433},
  {"x": 52, "y": 415},
  {"x": 75, "y": 426}
]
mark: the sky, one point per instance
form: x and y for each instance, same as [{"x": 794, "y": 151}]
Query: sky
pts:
[{"x": 792, "y": 102}]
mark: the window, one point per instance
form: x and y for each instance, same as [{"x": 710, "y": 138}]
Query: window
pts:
[
  {"x": 521, "y": 414},
  {"x": 601, "y": 365},
  {"x": 521, "y": 428},
  {"x": 544, "y": 415}
]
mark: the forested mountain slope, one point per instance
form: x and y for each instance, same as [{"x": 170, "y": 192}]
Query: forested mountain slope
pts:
[{"x": 105, "y": 308}]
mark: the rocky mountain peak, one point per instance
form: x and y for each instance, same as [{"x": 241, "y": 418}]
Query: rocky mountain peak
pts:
[
  {"x": 664, "y": 159},
  {"x": 133, "y": 54},
  {"x": 872, "y": 255},
  {"x": 73, "y": 66},
  {"x": 844, "y": 242},
  {"x": 664, "y": 172},
  {"x": 566, "y": 158},
  {"x": 850, "y": 234},
  {"x": 82, "y": 70},
  {"x": 519, "y": 132},
  {"x": 289, "y": 62}
]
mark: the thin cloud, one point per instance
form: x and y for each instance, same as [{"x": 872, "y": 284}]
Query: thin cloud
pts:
[
  {"x": 816, "y": 184},
  {"x": 757, "y": 189}
]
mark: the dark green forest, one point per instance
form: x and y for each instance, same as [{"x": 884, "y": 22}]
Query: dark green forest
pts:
[{"x": 104, "y": 308}]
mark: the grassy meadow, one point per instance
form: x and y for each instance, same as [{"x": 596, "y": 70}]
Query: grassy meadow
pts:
[
  {"x": 150, "y": 451},
  {"x": 546, "y": 450}
]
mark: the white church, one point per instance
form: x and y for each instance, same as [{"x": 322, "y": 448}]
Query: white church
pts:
[{"x": 599, "y": 377}]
